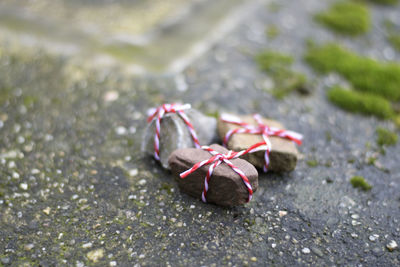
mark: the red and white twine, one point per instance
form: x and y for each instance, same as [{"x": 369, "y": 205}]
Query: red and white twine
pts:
[
  {"x": 218, "y": 158},
  {"x": 260, "y": 129},
  {"x": 160, "y": 112}
]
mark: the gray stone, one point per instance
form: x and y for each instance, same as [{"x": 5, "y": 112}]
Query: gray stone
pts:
[
  {"x": 175, "y": 134},
  {"x": 283, "y": 156},
  {"x": 226, "y": 187}
]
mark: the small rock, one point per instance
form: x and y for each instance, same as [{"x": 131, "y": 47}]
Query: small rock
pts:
[
  {"x": 142, "y": 182},
  {"x": 373, "y": 237},
  {"x": 113, "y": 263},
  {"x": 47, "y": 210},
  {"x": 23, "y": 186},
  {"x": 95, "y": 255},
  {"x": 175, "y": 134},
  {"x": 28, "y": 247},
  {"x": 282, "y": 213},
  {"x": 283, "y": 156},
  {"x": 121, "y": 130},
  {"x": 87, "y": 245},
  {"x": 253, "y": 259},
  {"x": 317, "y": 252},
  {"x": 306, "y": 250},
  {"x": 392, "y": 245},
  {"x": 226, "y": 187},
  {"x": 110, "y": 96},
  {"x": 133, "y": 172}
]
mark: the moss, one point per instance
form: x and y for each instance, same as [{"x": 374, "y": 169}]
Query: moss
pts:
[
  {"x": 271, "y": 61},
  {"x": 371, "y": 161},
  {"x": 386, "y": 137},
  {"x": 363, "y": 73},
  {"x": 394, "y": 40},
  {"x": 346, "y": 17},
  {"x": 278, "y": 66},
  {"x": 272, "y": 31},
  {"x": 360, "y": 182},
  {"x": 359, "y": 102},
  {"x": 385, "y": 2},
  {"x": 312, "y": 163}
]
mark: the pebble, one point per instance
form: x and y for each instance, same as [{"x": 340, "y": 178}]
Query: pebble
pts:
[
  {"x": 23, "y": 186},
  {"x": 142, "y": 182},
  {"x": 282, "y": 213},
  {"x": 110, "y": 96},
  {"x": 113, "y": 263},
  {"x": 15, "y": 175},
  {"x": 133, "y": 172},
  {"x": 28, "y": 247},
  {"x": 87, "y": 245},
  {"x": 373, "y": 237},
  {"x": 253, "y": 259},
  {"x": 47, "y": 210},
  {"x": 392, "y": 245},
  {"x": 95, "y": 255},
  {"x": 317, "y": 252},
  {"x": 120, "y": 130},
  {"x": 11, "y": 165},
  {"x": 306, "y": 250}
]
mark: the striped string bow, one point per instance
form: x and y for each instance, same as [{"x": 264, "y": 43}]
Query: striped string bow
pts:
[
  {"x": 218, "y": 158},
  {"x": 160, "y": 112},
  {"x": 260, "y": 129}
]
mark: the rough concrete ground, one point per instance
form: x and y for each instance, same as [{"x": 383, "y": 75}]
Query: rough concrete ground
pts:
[{"x": 74, "y": 189}]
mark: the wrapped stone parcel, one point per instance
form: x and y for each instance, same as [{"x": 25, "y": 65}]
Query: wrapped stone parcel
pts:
[
  {"x": 241, "y": 132},
  {"x": 174, "y": 126}
]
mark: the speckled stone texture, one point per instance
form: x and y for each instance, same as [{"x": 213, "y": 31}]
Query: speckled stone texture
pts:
[
  {"x": 283, "y": 156},
  {"x": 226, "y": 187},
  {"x": 175, "y": 134}
]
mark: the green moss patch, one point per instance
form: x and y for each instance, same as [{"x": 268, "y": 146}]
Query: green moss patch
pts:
[
  {"x": 360, "y": 182},
  {"x": 385, "y": 2},
  {"x": 361, "y": 102},
  {"x": 312, "y": 163},
  {"x": 394, "y": 40},
  {"x": 386, "y": 137},
  {"x": 365, "y": 74},
  {"x": 278, "y": 67},
  {"x": 272, "y": 31},
  {"x": 349, "y": 18}
]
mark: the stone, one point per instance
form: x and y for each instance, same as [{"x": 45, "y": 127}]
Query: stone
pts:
[
  {"x": 95, "y": 255},
  {"x": 175, "y": 134},
  {"x": 226, "y": 187},
  {"x": 283, "y": 156},
  {"x": 392, "y": 245}
]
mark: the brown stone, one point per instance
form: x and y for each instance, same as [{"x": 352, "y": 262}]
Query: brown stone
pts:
[
  {"x": 283, "y": 156},
  {"x": 226, "y": 187}
]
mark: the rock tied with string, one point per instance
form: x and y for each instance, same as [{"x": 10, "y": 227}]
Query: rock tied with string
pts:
[
  {"x": 174, "y": 126},
  {"x": 241, "y": 132},
  {"x": 214, "y": 174}
]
